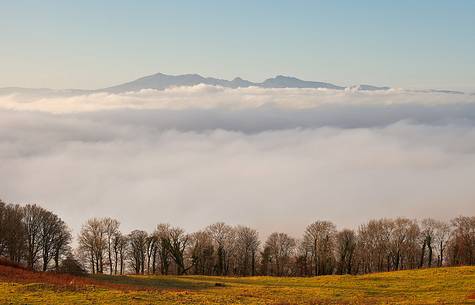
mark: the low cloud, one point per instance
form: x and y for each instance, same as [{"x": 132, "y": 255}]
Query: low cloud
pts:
[{"x": 275, "y": 159}]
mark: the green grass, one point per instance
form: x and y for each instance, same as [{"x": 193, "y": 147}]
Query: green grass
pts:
[{"x": 428, "y": 286}]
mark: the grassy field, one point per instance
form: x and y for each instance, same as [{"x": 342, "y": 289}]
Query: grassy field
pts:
[{"x": 428, "y": 286}]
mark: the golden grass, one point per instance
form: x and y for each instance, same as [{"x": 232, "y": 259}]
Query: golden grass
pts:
[{"x": 427, "y": 286}]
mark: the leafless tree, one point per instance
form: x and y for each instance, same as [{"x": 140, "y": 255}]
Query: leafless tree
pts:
[
  {"x": 111, "y": 228},
  {"x": 246, "y": 248},
  {"x": 303, "y": 261},
  {"x": 345, "y": 248},
  {"x": 223, "y": 238},
  {"x": 12, "y": 232},
  {"x": 119, "y": 246},
  {"x": 32, "y": 222},
  {"x": 137, "y": 250},
  {"x": 152, "y": 253},
  {"x": 374, "y": 245},
  {"x": 403, "y": 239},
  {"x": 280, "y": 249},
  {"x": 93, "y": 244},
  {"x": 462, "y": 244},
  {"x": 162, "y": 235},
  {"x": 54, "y": 239},
  {"x": 427, "y": 240},
  {"x": 61, "y": 244},
  {"x": 320, "y": 237},
  {"x": 441, "y": 239},
  {"x": 202, "y": 253},
  {"x": 176, "y": 243}
]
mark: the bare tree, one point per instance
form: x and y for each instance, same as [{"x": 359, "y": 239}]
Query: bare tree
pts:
[
  {"x": 223, "y": 236},
  {"x": 162, "y": 235},
  {"x": 93, "y": 243},
  {"x": 427, "y": 239},
  {"x": 320, "y": 237},
  {"x": 12, "y": 235},
  {"x": 462, "y": 244},
  {"x": 374, "y": 244},
  {"x": 202, "y": 253},
  {"x": 441, "y": 239},
  {"x": 303, "y": 261},
  {"x": 111, "y": 228},
  {"x": 61, "y": 244},
  {"x": 246, "y": 247},
  {"x": 3, "y": 228},
  {"x": 403, "y": 239},
  {"x": 345, "y": 247},
  {"x": 54, "y": 239},
  {"x": 176, "y": 244},
  {"x": 119, "y": 246},
  {"x": 152, "y": 253},
  {"x": 137, "y": 250},
  {"x": 280, "y": 247},
  {"x": 32, "y": 222}
]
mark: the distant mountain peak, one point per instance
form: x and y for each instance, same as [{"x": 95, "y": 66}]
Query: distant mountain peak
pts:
[
  {"x": 162, "y": 81},
  {"x": 282, "y": 81},
  {"x": 286, "y": 77},
  {"x": 364, "y": 87}
]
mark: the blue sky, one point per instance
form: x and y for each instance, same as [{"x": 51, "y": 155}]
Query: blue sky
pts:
[{"x": 91, "y": 44}]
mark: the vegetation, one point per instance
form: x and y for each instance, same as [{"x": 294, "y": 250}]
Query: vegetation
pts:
[
  {"x": 223, "y": 250},
  {"x": 33, "y": 236},
  {"x": 40, "y": 240},
  {"x": 453, "y": 285}
]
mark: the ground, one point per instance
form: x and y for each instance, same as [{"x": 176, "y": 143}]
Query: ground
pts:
[{"x": 428, "y": 286}]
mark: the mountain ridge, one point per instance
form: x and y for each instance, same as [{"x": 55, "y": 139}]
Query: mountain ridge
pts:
[{"x": 161, "y": 81}]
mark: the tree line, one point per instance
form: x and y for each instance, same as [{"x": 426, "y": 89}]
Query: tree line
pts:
[
  {"x": 39, "y": 239},
  {"x": 33, "y": 236}
]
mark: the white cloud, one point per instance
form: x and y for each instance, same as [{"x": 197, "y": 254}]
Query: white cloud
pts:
[
  {"x": 206, "y": 97},
  {"x": 274, "y": 159}
]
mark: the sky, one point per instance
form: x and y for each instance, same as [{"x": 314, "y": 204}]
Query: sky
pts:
[
  {"x": 275, "y": 159},
  {"x": 93, "y": 44}
]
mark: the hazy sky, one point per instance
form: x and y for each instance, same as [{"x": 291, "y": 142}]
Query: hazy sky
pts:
[{"x": 91, "y": 44}]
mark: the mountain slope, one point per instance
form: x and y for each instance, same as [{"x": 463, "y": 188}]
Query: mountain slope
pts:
[{"x": 281, "y": 81}]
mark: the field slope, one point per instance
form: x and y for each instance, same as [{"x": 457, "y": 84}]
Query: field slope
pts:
[{"x": 428, "y": 286}]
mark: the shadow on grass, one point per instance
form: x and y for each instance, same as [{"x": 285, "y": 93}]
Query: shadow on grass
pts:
[{"x": 158, "y": 282}]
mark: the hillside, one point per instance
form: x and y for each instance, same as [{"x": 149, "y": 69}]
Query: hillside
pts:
[{"x": 428, "y": 286}]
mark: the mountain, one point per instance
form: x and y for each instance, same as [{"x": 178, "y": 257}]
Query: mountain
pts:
[
  {"x": 438, "y": 91},
  {"x": 162, "y": 81},
  {"x": 368, "y": 88},
  {"x": 281, "y": 81}
]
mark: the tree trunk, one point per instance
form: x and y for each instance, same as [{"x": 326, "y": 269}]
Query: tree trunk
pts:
[
  {"x": 423, "y": 252},
  {"x": 430, "y": 254},
  {"x": 441, "y": 259}
]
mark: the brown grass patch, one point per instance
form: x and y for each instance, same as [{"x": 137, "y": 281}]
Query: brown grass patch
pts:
[{"x": 10, "y": 272}]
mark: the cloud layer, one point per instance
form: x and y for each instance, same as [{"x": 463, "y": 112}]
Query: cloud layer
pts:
[{"x": 275, "y": 159}]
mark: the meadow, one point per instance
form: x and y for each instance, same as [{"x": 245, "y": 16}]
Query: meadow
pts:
[{"x": 454, "y": 285}]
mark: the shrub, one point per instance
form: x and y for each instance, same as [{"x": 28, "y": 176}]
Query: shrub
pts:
[{"x": 72, "y": 266}]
